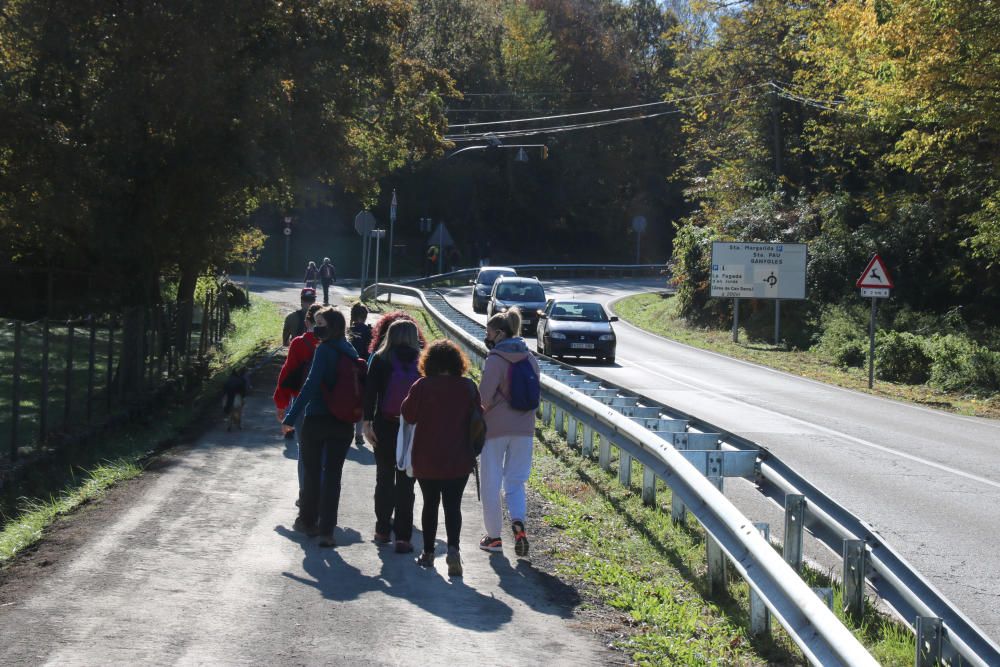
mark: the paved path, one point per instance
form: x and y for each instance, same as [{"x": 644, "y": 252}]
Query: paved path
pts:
[
  {"x": 927, "y": 480},
  {"x": 198, "y": 565}
]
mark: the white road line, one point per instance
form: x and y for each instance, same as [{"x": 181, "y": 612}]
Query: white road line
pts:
[{"x": 830, "y": 431}]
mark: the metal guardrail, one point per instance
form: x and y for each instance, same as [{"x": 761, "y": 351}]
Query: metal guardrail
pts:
[
  {"x": 944, "y": 633},
  {"x": 812, "y": 626},
  {"x": 571, "y": 270}
]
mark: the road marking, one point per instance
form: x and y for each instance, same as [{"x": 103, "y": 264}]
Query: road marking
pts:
[{"x": 830, "y": 431}]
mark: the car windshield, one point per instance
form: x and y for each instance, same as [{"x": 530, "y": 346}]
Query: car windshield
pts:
[
  {"x": 580, "y": 312},
  {"x": 520, "y": 292},
  {"x": 490, "y": 277}
]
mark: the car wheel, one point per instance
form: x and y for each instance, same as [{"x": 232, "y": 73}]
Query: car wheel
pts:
[{"x": 610, "y": 361}]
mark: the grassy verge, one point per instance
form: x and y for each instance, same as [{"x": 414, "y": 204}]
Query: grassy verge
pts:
[
  {"x": 657, "y": 314},
  {"x": 81, "y": 476},
  {"x": 636, "y": 560}
]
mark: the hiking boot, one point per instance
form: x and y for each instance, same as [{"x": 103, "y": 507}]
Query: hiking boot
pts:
[
  {"x": 491, "y": 544},
  {"x": 403, "y": 547},
  {"x": 301, "y": 527},
  {"x": 454, "y": 560},
  {"x": 328, "y": 540},
  {"x": 382, "y": 538},
  {"x": 426, "y": 559},
  {"x": 520, "y": 539}
]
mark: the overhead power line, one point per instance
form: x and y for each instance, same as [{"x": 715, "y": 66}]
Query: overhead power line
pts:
[{"x": 530, "y": 132}]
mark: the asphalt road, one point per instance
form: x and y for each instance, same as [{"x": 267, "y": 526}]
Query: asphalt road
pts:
[
  {"x": 928, "y": 481},
  {"x": 196, "y": 563}
]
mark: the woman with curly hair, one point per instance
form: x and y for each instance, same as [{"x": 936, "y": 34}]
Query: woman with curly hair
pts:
[
  {"x": 442, "y": 456},
  {"x": 382, "y": 327}
]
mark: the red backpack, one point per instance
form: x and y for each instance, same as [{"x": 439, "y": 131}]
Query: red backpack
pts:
[{"x": 346, "y": 400}]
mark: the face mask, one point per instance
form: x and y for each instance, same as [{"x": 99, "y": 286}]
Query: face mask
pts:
[
  {"x": 489, "y": 343},
  {"x": 321, "y": 332}
]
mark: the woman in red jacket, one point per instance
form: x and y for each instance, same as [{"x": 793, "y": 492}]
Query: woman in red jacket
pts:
[
  {"x": 439, "y": 404},
  {"x": 293, "y": 373}
]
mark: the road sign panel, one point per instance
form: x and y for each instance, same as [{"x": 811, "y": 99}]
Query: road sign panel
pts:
[
  {"x": 759, "y": 270},
  {"x": 364, "y": 222},
  {"x": 875, "y": 292},
  {"x": 875, "y": 274}
]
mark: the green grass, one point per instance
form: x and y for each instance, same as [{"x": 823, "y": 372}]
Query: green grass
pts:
[
  {"x": 76, "y": 477},
  {"x": 657, "y": 314}
]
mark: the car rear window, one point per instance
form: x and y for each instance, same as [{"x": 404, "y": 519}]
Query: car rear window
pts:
[
  {"x": 521, "y": 292},
  {"x": 579, "y": 312},
  {"x": 490, "y": 277}
]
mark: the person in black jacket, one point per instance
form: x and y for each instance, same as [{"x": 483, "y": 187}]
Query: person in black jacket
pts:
[
  {"x": 391, "y": 372},
  {"x": 360, "y": 336}
]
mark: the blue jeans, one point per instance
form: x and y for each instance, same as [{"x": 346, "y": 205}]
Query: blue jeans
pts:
[{"x": 325, "y": 443}]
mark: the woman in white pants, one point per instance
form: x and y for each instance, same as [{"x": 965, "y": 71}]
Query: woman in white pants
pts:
[{"x": 506, "y": 456}]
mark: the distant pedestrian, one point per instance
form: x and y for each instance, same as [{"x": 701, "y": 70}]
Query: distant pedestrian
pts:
[
  {"x": 392, "y": 370},
  {"x": 430, "y": 265},
  {"x": 506, "y": 456},
  {"x": 312, "y": 273},
  {"x": 360, "y": 336},
  {"x": 327, "y": 275},
  {"x": 325, "y": 437},
  {"x": 293, "y": 375},
  {"x": 295, "y": 322},
  {"x": 439, "y": 404}
]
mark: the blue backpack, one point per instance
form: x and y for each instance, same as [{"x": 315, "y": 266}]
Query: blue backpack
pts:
[
  {"x": 401, "y": 378},
  {"x": 525, "y": 387}
]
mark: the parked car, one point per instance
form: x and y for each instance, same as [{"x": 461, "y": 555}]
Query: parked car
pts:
[
  {"x": 526, "y": 294},
  {"x": 483, "y": 285},
  {"x": 576, "y": 328}
]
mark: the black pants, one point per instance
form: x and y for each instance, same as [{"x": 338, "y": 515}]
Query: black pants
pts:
[
  {"x": 447, "y": 492},
  {"x": 326, "y": 291},
  {"x": 393, "y": 488},
  {"x": 323, "y": 444}
]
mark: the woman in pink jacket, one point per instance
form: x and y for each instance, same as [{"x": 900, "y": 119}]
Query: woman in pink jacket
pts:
[{"x": 506, "y": 456}]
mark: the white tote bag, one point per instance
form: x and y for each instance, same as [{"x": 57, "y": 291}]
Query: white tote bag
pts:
[{"x": 404, "y": 446}]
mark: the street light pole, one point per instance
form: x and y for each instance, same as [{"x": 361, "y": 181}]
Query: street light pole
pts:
[{"x": 392, "y": 228}]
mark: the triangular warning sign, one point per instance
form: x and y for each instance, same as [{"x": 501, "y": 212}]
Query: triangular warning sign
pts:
[{"x": 875, "y": 274}]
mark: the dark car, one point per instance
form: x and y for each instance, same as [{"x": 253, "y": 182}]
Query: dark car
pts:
[
  {"x": 576, "y": 328},
  {"x": 483, "y": 285},
  {"x": 526, "y": 294}
]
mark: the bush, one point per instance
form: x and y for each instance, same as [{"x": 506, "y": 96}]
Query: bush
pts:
[
  {"x": 900, "y": 357},
  {"x": 844, "y": 340},
  {"x": 958, "y": 363}
]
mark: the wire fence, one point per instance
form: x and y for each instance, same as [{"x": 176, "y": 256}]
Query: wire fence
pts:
[{"x": 64, "y": 379}]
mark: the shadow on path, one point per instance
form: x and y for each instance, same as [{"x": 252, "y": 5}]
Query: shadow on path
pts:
[{"x": 539, "y": 590}]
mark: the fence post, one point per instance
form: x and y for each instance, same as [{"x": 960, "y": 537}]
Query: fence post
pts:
[
  {"x": 68, "y": 404},
  {"x": 795, "y": 506},
  {"x": 648, "y": 486},
  {"x": 43, "y": 399},
  {"x": 715, "y": 556},
  {"x": 760, "y": 618},
  {"x": 143, "y": 343},
  {"x": 91, "y": 361},
  {"x": 587, "y": 447},
  {"x": 190, "y": 335},
  {"x": 855, "y": 558},
  {"x": 110, "y": 370},
  {"x": 15, "y": 403},
  {"x": 154, "y": 322},
  {"x": 205, "y": 318}
]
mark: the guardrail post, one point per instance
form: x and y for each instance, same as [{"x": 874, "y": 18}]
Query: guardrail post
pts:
[
  {"x": 760, "y": 617},
  {"x": 604, "y": 454},
  {"x": 855, "y": 556},
  {"x": 587, "y": 447},
  {"x": 560, "y": 421},
  {"x": 678, "y": 513},
  {"x": 715, "y": 556},
  {"x": 648, "y": 486},
  {"x": 928, "y": 641},
  {"x": 795, "y": 506},
  {"x": 624, "y": 468},
  {"x": 571, "y": 430},
  {"x": 546, "y": 413}
]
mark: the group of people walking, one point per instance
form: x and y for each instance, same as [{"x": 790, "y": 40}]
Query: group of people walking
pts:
[
  {"x": 394, "y": 381},
  {"x": 325, "y": 273}
]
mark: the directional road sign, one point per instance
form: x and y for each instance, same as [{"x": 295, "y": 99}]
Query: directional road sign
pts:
[{"x": 758, "y": 270}]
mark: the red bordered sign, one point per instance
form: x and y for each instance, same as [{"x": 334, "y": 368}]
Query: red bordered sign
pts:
[{"x": 875, "y": 274}]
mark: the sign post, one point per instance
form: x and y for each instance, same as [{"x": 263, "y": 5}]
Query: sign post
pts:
[
  {"x": 875, "y": 282},
  {"x": 758, "y": 271},
  {"x": 288, "y": 240},
  {"x": 392, "y": 229},
  {"x": 364, "y": 223},
  {"x": 378, "y": 234},
  {"x": 638, "y": 226}
]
